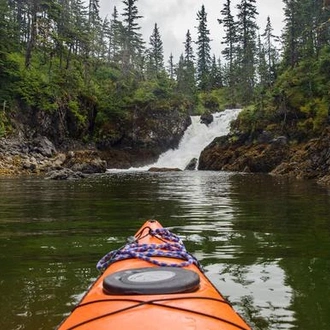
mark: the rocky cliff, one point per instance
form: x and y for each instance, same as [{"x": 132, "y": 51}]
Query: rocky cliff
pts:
[
  {"x": 268, "y": 154},
  {"x": 142, "y": 137},
  {"x": 44, "y": 143}
]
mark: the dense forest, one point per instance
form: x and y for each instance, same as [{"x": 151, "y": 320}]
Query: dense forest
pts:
[{"x": 60, "y": 59}]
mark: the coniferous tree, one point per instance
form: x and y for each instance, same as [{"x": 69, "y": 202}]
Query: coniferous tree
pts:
[
  {"x": 9, "y": 34},
  {"x": 306, "y": 30},
  {"x": 215, "y": 74},
  {"x": 263, "y": 69},
  {"x": 180, "y": 75},
  {"x": 72, "y": 36},
  {"x": 8, "y": 44},
  {"x": 95, "y": 33},
  {"x": 322, "y": 28},
  {"x": 229, "y": 41},
  {"x": 74, "y": 25},
  {"x": 18, "y": 16},
  {"x": 291, "y": 33},
  {"x": 220, "y": 72},
  {"x": 170, "y": 68},
  {"x": 116, "y": 36},
  {"x": 133, "y": 45},
  {"x": 155, "y": 53},
  {"x": 246, "y": 51},
  {"x": 105, "y": 39},
  {"x": 203, "y": 50},
  {"x": 189, "y": 67},
  {"x": 271, "y": 53},
  {"x": 93, "y": 13},
  {"x": 33, "y": 9},
  {"x": 189, "y": 53}
]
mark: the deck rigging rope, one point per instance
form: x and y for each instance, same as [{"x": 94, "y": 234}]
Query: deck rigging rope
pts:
[
  {"x": 163, "y": 302},
  {"x": 172, "y": 247}
]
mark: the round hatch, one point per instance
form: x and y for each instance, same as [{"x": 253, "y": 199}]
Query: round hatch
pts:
[{"x": 151, "y": 280}]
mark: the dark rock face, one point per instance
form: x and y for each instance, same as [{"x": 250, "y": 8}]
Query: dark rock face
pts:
[
  {"x": 143, "y": 138},
  {"x": 76, "y": 165},
  {"x": 136, "y": 139},
  {"x": 206, "y": 118},
  {"x": 234, "y": 154},
  {"x": 87, "y": 162},
  {"x": 43, "y": 146},
  {"x": 309, "y": 160},
  {"x": 38, "y": 156},
  {"x": 192, "y": 165},
  {"x": 31, "y": 123},
  {"x": 43, "y": 142}
]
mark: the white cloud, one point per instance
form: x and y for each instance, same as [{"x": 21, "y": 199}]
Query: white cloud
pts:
[{"x": 175, "y": 17}]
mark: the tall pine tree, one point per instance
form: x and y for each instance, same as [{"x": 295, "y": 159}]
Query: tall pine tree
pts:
[
  {"x": 271, "y": 53},
  {"x": 133, "y": 46},
  {"x": 203, "y": 51},
  {"x": 189, "y": 67},
  {"x": 170, "y": 67},
  {"x": 116, "y": 37},
  {"x": 246, "y": 49},
  {"x": 291, "y": 33},
  {"x": 229, "y": 41},
  {"x": 155, "y": 53}
]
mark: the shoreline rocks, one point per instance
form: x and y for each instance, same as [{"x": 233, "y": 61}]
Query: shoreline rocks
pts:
[
  {"x": 164, "y": 169},
  {"x": 40, "y": 157},
  {"x": 273, "y": 155},
  {"x": 277, "y": 156}
]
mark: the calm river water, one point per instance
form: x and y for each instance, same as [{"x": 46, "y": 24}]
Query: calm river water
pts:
[{"x": 264, "y": 241}]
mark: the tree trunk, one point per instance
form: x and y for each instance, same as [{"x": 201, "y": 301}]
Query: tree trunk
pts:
[{"x": 33, "y": 35}]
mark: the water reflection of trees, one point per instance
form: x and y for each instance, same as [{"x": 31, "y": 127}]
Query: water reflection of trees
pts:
[{"x": 287, "y": 222}]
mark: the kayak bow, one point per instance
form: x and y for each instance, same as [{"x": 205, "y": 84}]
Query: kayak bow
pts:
[{"x": 152, "y": 283}]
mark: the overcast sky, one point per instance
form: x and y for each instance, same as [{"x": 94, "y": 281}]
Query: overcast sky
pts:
[{"x": 175, "y": 17}]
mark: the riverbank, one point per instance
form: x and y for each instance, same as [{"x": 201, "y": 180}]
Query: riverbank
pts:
[
  {"x": 39, "y": 156},
  {"x": 278, "y": 156}
]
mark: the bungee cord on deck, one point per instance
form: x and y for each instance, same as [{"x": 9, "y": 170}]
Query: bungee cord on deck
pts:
[{"x": 171, "y": 248}]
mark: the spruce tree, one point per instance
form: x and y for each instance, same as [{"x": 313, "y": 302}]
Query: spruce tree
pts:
[
  {"x": 155, "y": 52},
  {"x": 170, "y": 67},
  {"x": 271, "y": 53},
  {"x": 203, "y": 50},
  {"x": 189, "y": 67},
  {"x": 215, "y": 74},
  {"x": 263, "y": 69},
  {"x": 116, "y": 36},
  {"x": 306, "y": 30},
  {"x": 105, "y": 38},
  {"x": 291, "y": 33},
  {"x": 180, "y": 75},
  {"x": 229, "y": 41},
  {"x": 94, "y": 29},
  {"x": 93, "y": 13},
  {"x": 188, "y": 49},
  {"x": 247, "y": 49},
  {"x": 133, "y": 45},
  {"x": 186, "y": 86},
  {"x": 33, "y": 9}
]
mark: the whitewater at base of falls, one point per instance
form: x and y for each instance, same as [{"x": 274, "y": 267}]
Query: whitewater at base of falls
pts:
[{"x": 196, "y": 137}]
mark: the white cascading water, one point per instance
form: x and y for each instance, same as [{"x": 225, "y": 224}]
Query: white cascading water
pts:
[{"x": 195, "y": 139}]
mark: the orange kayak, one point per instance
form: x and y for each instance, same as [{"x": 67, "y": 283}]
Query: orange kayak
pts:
[{"x": 152, "y": 283}]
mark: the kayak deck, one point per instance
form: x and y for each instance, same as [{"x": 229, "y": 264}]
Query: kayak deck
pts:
[{"x": 203, "y": 308}]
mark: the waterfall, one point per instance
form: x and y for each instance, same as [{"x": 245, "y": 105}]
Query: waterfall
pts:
[{"x": 196, "y": 138}]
